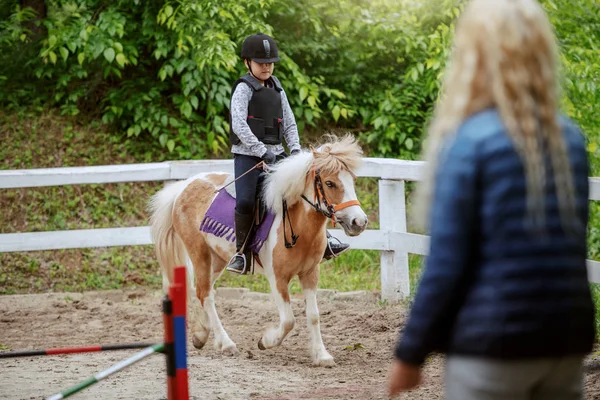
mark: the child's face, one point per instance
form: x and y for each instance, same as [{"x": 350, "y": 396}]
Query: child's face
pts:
[{"x": 261, "y": 71}]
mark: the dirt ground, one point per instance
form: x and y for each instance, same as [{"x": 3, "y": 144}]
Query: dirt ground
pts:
[{"x": 360, "y": 334}]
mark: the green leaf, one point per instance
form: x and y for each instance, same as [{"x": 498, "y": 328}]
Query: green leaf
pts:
[
  {"x": 308, "y": 114},
  {"x": 414, "y": 74},
  {"x": 303, "y": 93},
  {"x": 109, "y": 54},
  {"x": 81, "y": 58},
  {"x": 356, "y": 346},
  {"x": 186, "y": 109},
  {"x": 225, "y": 14},
  {"x": 121, "y": 59},
  {"x": 52, "y": 56},
  {"x": 408, "y": 144},
  {"x": 162, "y": 139},
  {"x": 336, "y": 112},
  {"x": 168, "y": 11},
  {"x": 52, "y": 41},
  {"x": 194, "y": 101},
  {"x": 64, "y": 53},
  {"x": 170, "y": 145}
]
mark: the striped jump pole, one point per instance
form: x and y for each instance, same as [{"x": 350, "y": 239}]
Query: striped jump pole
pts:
[
  {"x": 178, "y": 295},
  {"x": 115, "y": 368},
  {"x": 70, "y": 350}
]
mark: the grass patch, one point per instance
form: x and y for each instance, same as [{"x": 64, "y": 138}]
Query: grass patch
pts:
[
  {"x": 79, "y": 270},
  {"x": 353, "y": 270}
]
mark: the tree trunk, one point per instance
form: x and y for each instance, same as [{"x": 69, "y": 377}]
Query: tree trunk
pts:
[{"x": 39, "y": 6}]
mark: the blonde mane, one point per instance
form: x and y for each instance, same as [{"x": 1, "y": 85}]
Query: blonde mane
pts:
[
  {"x": 505, "y": 57},
  {"x": 286, "y": 180}
]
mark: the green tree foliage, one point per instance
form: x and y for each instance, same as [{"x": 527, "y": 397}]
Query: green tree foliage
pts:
[
  {"x": 164, "y": 69},
  {"x": 577, "y": 25},
  {"x": 154, "y": 68}
]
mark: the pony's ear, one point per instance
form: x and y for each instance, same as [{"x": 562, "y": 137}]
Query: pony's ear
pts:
[
  {"x": 322, "y": 151},
  {"x": 315, "y": 152}
]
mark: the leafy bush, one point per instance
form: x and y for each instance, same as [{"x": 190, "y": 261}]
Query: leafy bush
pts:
[{"x": 164, "y": 69}]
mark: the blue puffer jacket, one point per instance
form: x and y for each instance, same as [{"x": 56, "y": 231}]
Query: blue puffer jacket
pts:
[{"x": 490, "y": 286}]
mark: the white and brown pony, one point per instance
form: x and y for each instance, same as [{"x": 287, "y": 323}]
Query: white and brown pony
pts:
[{"x": 316, "y": 185}]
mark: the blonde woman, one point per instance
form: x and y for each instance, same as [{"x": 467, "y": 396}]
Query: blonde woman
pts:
[{"x": 504, "y": 293}]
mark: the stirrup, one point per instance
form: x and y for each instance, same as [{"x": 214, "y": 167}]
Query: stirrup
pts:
[
  {"x": 329, "y": 253},
  {"x": 233, "y": 259},
  {"x": 246, "y": 268}
]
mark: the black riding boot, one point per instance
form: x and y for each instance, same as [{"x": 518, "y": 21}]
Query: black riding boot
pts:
[
  {"x": 240, "y": 263},
  {"x": 334, "y": 247}
]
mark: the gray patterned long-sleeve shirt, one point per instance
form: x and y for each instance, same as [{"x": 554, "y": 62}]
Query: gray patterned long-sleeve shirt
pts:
[{"x": 250, "y": 145}]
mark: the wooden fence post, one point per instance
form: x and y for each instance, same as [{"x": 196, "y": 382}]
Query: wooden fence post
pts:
[{"x": 395, "y": 279}]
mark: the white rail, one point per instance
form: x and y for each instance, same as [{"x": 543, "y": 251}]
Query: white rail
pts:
[{"x": 392, "y": 238}]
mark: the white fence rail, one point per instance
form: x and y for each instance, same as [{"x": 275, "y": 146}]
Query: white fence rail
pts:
[{"x": 392, "y": 238}]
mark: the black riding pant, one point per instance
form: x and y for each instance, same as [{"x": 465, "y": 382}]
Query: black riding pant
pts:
[{"x": 246, "y": 186}]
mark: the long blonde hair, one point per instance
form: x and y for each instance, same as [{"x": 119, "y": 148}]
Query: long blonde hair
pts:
[{"x": 505, "y": 56}]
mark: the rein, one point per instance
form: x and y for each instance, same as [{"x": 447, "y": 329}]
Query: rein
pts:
[{"x": 260, "y": 164}]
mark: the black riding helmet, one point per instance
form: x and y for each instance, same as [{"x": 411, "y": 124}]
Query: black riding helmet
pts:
[{"x": 260, "y": 48}]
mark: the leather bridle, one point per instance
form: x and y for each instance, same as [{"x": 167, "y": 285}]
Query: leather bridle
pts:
[{"x": 329, "y": 210}]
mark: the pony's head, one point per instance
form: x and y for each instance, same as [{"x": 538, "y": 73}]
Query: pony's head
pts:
[{"x": 323, "y": 177}]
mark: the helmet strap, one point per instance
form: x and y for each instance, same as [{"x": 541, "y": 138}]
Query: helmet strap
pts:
[{"x": 249, "y": 66}]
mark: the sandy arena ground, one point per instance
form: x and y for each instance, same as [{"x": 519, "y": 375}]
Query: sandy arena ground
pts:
[{"x": 357, "y": 331}]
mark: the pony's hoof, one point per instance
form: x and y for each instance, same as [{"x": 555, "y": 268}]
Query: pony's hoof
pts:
[
  {"x": 327, "y": 362},
  {"x": 261, "y": 345},
  {"x": 199, "y": 339},
  {"x": 231, "y": 351}
]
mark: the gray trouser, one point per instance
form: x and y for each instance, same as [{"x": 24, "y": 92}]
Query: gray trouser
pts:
[{"x": 470, "y": 378}]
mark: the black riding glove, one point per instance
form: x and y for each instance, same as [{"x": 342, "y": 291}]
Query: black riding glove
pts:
[
  {"x": 295, "y": 151},
  {"x": 269, "y": 157}
]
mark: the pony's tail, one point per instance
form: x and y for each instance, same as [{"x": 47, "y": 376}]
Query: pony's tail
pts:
[{"x": 169, "y": 247}]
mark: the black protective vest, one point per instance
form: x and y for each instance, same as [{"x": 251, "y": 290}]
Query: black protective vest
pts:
[{"x": 265, "y": 113}]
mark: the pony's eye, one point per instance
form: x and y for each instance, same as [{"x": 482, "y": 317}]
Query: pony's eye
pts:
[{"x": 330, "y": 184}]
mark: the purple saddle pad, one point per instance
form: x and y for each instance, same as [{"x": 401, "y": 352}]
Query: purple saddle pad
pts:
[{"x": 219, "y": 221}]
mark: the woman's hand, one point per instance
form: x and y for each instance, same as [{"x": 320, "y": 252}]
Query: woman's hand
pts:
[{"x": 403, "y": 377}]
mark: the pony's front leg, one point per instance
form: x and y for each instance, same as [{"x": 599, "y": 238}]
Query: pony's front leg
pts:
[
  {"x": 222, "y": 341},
  {"x": 319, "y": 354},
  {"x": 205, "y": 275},
  {"x": 280, "y": 293},
  {"x": 201, "y": 321}
]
